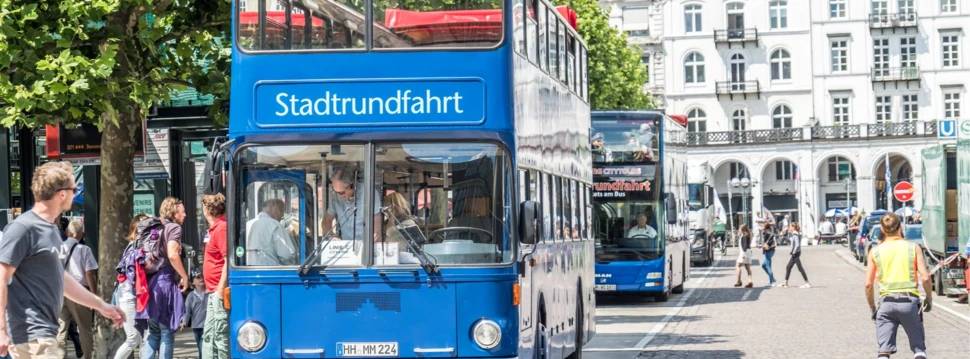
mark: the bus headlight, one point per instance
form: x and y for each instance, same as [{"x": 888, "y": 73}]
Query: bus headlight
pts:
[
  {"x": 654, "y": 275},
  {"x": 252, "y": 337},
  {"x": 487, "y": 334}
]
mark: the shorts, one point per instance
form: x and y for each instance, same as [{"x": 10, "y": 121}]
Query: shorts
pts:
[{"x": 745, "y": 257}]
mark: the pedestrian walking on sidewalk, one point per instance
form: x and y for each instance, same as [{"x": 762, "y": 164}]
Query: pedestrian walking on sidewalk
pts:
[
  {"x": 795, "y": 231},
  {"x": 898, "y": 264},
  {"x": 126, "y": 297},
  {"x": 195, "y": 307},
  {"x": 215, "y": 335},
  {"x": 80, "y": 264},
  {"x": 744, "y": 256},
  {"x": 33, "y": 282},
  {"x": 165, "y": 306},
  {"x": 768, "y": 245}
]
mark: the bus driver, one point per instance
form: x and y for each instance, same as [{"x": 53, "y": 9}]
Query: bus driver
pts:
[
  {"x": 347, "y": 208},
  {"x": 642, "y": 229}
]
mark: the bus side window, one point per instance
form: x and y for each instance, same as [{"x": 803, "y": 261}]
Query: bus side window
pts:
[
  {"x": 562, "y": 53},
  {"x": 523, "y": 186},
  {"x": 518, "y": 26},
  {"x": 543, "y": 38},
  {"x": 557, "y": 207},
  {"x": 531, "y": 34},
  {"x": 547, "y": 214},
  {"x": 553, "y": 50},
  {"x": 566, "y": 209}
]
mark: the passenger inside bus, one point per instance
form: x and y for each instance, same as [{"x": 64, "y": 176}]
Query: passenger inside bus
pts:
[
  {"x": 269, "y": 244},
  {"x": 473, "y": 211},
  {"x": 399, "y": 208},
  {"x": 347, "y": 208}
]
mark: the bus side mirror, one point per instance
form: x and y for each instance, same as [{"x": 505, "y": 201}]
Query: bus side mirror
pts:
[
  {"x": 528, "y": 222},
  {"x": 670, "y": 209},
  {"x": 213, "y": 176}
]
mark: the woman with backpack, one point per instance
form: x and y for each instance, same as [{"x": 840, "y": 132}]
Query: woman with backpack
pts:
[
  {"x": 125, "y": 294},
  {"x": 161, "y": 240}
]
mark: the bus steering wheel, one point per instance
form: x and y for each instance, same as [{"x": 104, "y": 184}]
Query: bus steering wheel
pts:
[{"x": 477, "y": 231}]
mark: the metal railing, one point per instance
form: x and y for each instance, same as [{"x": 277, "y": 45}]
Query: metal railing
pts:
[
  {"x": 736, "y": 35},
  {"x": 737, "y": 87},
  {"x": 833, "y": 132},
  {"x": 882, "y": 74},
  {"x": 748, "y": 136},
  {"x": 905, "y": 19},
  {"x": 644, "y": 39},
  {"x": 893, "y": 129}
]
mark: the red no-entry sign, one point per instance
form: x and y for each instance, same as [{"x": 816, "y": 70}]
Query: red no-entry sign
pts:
[{"x": 903, "y": 191}]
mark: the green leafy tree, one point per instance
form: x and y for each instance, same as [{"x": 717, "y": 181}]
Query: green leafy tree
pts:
[
  {"x": 106, "y": 62},
  {"x": 616, "y": 74}
]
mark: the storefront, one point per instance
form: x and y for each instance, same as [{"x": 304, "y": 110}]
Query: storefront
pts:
[{"x": 177, "y": 137}]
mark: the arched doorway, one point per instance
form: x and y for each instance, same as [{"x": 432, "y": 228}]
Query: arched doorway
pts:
[
  {"x": 779, "y": 188},
  {"x": 900, "y": 169},
  {"x": 736, "y": 200},
  {"x": 837, "y": 187}
]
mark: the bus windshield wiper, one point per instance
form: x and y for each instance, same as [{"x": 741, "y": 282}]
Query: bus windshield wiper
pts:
[
  {"x": 315, "y": 255},
  {"x": 414, "y": 244}
]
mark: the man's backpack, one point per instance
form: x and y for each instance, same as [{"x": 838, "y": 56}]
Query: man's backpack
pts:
[{"x": 151, "y": 241}]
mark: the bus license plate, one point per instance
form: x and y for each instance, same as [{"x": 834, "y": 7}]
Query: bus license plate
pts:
[
  {"x": 605, "y": 287},
  {"x": 367, "y": 349}
]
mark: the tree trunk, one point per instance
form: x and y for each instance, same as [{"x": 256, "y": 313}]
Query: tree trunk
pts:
[{"x": 117, "y": 199}]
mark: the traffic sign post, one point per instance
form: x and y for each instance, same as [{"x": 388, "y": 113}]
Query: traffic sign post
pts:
[{"x": 904, "y": 191}]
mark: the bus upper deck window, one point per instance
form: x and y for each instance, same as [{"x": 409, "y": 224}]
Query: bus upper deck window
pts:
[
  {"x": 461, "y": 23},
  {"x": 300, "y": 25}
]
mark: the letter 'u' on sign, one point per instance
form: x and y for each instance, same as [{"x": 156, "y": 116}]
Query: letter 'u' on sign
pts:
[{"x": 947, "y": 129}]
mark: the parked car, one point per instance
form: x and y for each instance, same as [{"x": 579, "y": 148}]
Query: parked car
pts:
[
  {"x": 874, "y": 237},
  {"x": 859, "y": 250},
  {"x": 914, "y": 233}
]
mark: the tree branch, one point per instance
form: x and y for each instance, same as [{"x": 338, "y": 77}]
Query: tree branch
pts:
[
  {"x": 178, "y": 34},
  {"x": 162, "y": 6}
]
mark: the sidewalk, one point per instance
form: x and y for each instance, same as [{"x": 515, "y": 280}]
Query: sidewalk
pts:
[{"x": 184, "y": 346}]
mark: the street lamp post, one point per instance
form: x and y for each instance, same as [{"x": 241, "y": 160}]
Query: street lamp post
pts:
[{"x": 742, "y": 184}]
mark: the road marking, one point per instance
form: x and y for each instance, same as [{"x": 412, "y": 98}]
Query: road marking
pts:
[
  {"x": 612, "y": 350},
  {"x": 674, "y": 311},
  {"x": 951, "y": 311},
  {"x": 746, "y": 295}
]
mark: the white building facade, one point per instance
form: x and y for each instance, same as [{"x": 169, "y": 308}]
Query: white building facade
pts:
[{"x": 809, "y": 99}]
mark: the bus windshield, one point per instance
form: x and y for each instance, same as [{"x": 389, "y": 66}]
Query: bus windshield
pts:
[
  {"x": 627, "y": 212},
  {"x": 625, "y": 140},
  {"x": 446, "y": 203},
  {"x": 695, "y": 196}
]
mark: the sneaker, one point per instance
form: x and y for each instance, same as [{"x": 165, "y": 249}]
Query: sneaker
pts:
[
  {"x": 919, "y": 356},
  {"x": 806, "y": 285},
  {"x": 770, "y": 285}
]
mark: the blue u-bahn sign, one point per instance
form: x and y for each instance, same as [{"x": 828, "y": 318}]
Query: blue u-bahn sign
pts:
[{"x": 947, "y": 129}]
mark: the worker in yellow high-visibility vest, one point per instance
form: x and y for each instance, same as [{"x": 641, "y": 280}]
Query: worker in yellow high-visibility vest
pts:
[{"x": 899, "y": 266}]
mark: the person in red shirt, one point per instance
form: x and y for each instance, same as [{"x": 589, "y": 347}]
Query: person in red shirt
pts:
[{"x": 215, "y": 336}]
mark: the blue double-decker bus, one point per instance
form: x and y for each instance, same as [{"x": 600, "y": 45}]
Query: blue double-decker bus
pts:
[
  {"x": 408, "y": 181},
  {"x": 640, "y": 200}
]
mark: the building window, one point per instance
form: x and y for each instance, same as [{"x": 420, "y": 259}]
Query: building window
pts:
[
  {"x": 880, "y": 57},
  {"x": 880, "y": 7},
  {"x": 840, "y": 111},
  {"x": 780, "y": 65},
  {"x": 910, "y": 105},
  {"x": 696, "y": 120},
  {"x": 883, "y": 108},
  {"x": 840, "y": 55},
  {"x": 738, "y": 120},
  {"x": 694, "y": 68},
  {"x": 837, "y": 9},
  {"x": 784, "y": 170},
  {"x": 781, "y": 117},
  {"x": 738, "y": 170},
  {"x": 907, "y": 53},
  {"x": 948, "y": 6},
  {"x": 645, "y": 60},
  {"x": 840, "y": 168},
  {"x": 778, "y": 12},
  {"x": 242, "y": 5},
  {"x": 735, "y": 16},
  {"x": 951, "y": 50},
  {"x": 907, "y": 6},
  {"x": 951, "y": 105},
  {"x": 692, "y": 18}
]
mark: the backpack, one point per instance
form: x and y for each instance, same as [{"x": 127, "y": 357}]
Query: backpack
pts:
[{"x": 151, "y": 242}]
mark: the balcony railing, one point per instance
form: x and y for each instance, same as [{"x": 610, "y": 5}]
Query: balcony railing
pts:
[
  {"x": 736, "y": 36},
  {"x": 750, "y": 136},
  {"x": 888, "y": 74},
  {"x": 737, "y": 88},
  {"x": 901, "y": 20},
  {"x": 893, "y": 129},
  {"x": 644, "y": 39},
  {"x": 833, "y": 132}
]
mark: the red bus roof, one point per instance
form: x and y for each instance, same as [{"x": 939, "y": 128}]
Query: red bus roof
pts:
[
  {"x": 397, "y": 18},
  {"x": 252, "y": 18}
]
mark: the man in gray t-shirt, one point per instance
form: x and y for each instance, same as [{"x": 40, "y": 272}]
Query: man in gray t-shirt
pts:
[
  {"x": 349, "y": 222},
  {"x": 32, "y": 279}
]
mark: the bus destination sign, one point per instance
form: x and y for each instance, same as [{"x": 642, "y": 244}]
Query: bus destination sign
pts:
[
  {"x": 619, "y": 188},
  {"x": 370, "y": 103}
]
